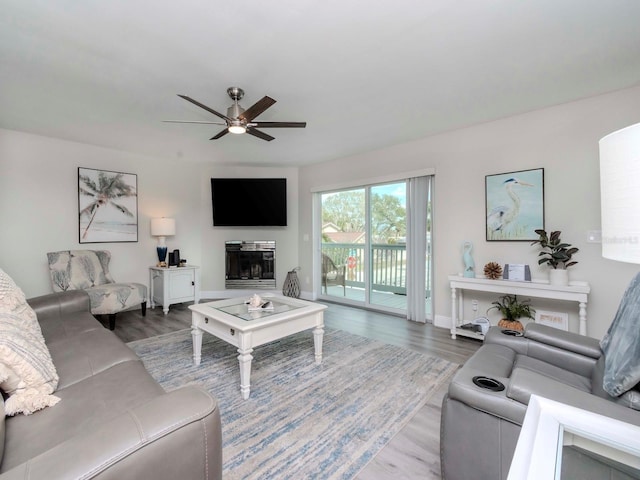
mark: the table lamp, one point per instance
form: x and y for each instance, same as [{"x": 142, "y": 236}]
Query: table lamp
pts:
[
  {"x": 620, "y": 194},
  {"x": 162, "y": 228}
]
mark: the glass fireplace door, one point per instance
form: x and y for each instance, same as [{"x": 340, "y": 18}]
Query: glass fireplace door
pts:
[{"x": 250, "y": 265}]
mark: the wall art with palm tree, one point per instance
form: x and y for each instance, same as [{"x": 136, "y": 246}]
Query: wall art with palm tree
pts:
[
  {"x": 515, "y": 205},
  {"x": 108, "y": 206}
]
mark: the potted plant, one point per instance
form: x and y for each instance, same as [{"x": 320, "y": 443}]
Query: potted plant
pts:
[
  {"x": 557, "y": 254},
  {"x": 512, "y": 310}
]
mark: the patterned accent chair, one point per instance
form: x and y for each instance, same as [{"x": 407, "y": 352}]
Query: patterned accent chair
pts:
[{"x": 88, "y": 270}]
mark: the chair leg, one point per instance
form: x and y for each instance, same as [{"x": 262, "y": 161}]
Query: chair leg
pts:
[
  {"x": 112, "y": 321},
  {"x": 143, "y": 306}
]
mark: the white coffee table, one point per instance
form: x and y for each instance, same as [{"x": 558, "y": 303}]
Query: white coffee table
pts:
[{"x": 230, "y": 320}]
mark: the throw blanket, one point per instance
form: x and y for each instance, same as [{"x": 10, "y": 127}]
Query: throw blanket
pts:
[{"x": 621, "y": 344}]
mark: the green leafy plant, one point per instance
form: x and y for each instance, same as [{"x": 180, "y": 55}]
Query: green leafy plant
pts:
[
  {"x": 512, "y": 309},
  {"x": 555, "y": 253}
]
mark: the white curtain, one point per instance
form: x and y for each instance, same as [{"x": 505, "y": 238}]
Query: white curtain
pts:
[{"x": 417, "y": 200}]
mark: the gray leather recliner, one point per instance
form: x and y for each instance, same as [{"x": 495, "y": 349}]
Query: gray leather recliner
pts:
[{"x": 483, "y": 411}]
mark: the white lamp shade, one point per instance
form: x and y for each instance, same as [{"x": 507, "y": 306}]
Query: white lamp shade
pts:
[
  {"x": 163, "y": 227},
  {"x": 620, "y": 194}
]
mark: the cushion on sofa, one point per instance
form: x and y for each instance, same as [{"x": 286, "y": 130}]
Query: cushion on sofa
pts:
[
  {"x": 551, "y": 371},
  {"x": 12, "y": 300},
  {"x": 85, "y": 406},
  {"x": 29, "y": 375},
  {"x": 621, "y": 344},
  {"x": 86, "y": 354},
  {"x": 2, "y": 426}
]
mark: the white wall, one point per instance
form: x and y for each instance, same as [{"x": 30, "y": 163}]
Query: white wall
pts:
[
  {"x": 214, "y": 238},
  {"x": 39, "y": 207},
  {"x": 38, "y": 200},
  {"x": 563, "y": 140},
  {"x": 39, "y": 211}
]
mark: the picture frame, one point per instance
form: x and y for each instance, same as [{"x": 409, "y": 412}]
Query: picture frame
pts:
[
  {"x": 557, "y": 320},
  {"x": 517, "y": 272},
  {"x": 514, "y": 204},
  {"x": 107, "y": 206}
]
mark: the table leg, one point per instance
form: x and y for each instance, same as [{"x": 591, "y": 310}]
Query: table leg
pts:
[
  {"x": 196, "y": 335},
  {"x": 583, "y": 319},
  {"x": 151, "y": 302},
  {"x": 454, "y": 314},
  {"x": 244, "y": 359},
  {"x": 318, "y": 333}
]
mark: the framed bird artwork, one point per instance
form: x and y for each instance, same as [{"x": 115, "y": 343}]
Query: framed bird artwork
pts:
[{"x": 514, "y": 205}]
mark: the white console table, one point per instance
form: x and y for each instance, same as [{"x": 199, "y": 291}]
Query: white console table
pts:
[{"x": 574, "y": 292}]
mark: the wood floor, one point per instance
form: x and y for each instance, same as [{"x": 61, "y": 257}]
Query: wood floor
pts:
[{"x": 415, "y": 451}]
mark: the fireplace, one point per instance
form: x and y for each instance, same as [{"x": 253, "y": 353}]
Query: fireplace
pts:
[{"x": 250, "y": 264}]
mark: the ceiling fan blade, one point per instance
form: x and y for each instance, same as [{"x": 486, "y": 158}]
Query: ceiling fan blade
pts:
[
  {"x": 194, "y": 121},
  {"x": 195, "y": 102},
  {"x": 220, "y": 135},
  {"x": 256, "y": 109},
  {"x": 259, "y": 134},
  {"x": 280, "y": 124}
]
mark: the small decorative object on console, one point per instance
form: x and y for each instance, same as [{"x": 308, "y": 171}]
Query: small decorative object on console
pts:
[
  {"x": 469, "y": 264},
  {"x": 493, "y": 270},
  {"x": 517, "y": 272}
]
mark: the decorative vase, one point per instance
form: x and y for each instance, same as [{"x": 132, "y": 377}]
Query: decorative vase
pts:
[
  {"x": 511, "y": 325},
  {"x": 469, "y": 264},
  {"x": 162, "y": 253},
  {"x": 558, "y": 277}
]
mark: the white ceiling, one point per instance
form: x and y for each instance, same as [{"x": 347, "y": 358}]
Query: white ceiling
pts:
[{"x": 362, "y": 74}]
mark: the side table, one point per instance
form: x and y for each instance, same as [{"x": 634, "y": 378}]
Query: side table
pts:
[{"x": 172, "y": 285}]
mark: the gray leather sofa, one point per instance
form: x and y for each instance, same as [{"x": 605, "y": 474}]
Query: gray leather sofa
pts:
[
  {"x": 114, "y": 421},
  {"x": 481, "y": 421}
]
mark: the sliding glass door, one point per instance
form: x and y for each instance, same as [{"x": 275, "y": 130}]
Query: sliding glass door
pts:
[
  {"x": 343, "y": 230},
  {"x": 366, "y": 247},
  {"x": 388, "y": 245}
]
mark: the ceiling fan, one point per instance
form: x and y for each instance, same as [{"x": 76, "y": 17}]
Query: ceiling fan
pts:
[{"x": 238, "y": 120}]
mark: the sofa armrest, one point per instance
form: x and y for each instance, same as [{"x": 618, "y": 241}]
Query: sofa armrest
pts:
[
  {"x": 60, "y": 304},
  {"x": 495, "y": 362},
  {"x": 176, "y": 435}
]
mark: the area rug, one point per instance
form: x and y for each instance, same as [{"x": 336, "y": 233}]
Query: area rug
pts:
[{"x": 302, "y": 420}]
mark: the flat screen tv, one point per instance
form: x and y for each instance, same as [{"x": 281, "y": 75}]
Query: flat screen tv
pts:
[{"x": 249, "y": 202}]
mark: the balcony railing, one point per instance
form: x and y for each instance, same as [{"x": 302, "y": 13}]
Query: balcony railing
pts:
[{"x": 388, "y": 265}]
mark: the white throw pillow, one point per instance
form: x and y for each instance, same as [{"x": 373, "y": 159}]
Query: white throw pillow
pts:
[
  {"x": 27, "y": 373},
  {"x": 12, "y": 300}
]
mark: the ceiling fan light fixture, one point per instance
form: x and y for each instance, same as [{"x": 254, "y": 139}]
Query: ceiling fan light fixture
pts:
[
  {"x": 238, "y": 120},
  {"x": 237, "y": 129}
]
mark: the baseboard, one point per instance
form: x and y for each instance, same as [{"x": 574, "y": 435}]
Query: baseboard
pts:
[{"x": 442, "y": 321}]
